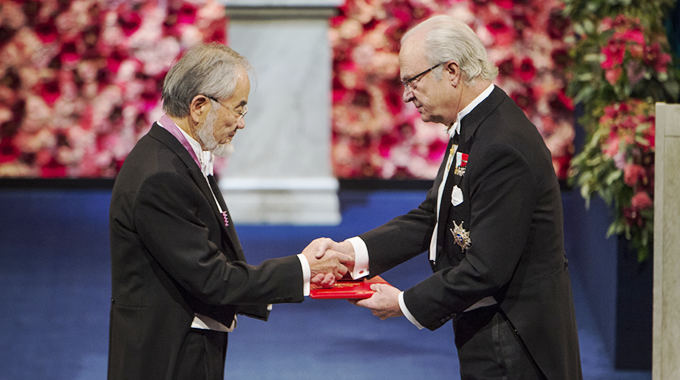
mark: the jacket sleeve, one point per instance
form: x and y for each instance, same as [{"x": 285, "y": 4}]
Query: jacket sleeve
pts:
[
  {"x": 502, "y": 196},
  {"x": 178, "y": 226}
]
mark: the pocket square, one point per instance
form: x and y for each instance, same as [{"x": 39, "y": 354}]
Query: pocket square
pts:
[{"x": 456, "y": 196}]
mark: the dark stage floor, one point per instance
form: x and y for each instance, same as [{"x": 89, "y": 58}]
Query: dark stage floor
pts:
[{"x": 55, "y": 281}]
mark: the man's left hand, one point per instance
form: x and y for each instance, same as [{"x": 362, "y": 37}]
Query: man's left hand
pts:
[{"x": 384, "y": 303}]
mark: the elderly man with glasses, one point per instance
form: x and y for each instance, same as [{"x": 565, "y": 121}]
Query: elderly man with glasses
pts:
[
  {"x": 492, "y": 222},
  {"x": 179, "y": 275}
]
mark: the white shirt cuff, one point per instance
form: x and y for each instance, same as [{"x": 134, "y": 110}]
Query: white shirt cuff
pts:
[
  {"x": 306, "y": 274},
  {"x": 407, "y": 314},
  {"x": 360, "y": 257}
]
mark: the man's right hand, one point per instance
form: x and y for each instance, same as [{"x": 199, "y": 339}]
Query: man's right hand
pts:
[{"x": 326, "y": 264}]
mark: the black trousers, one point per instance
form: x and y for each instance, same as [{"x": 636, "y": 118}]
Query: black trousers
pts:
[
  {"x": 489, "y": 349},
  {"x": 202, "y": 355}
]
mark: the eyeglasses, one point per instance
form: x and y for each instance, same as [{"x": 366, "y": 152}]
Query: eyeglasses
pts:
[
  {"x": 409, "y": 82},
  {"x": 241, "y": 114}
]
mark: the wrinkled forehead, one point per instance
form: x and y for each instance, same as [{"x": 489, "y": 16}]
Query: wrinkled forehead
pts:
[{"x": 412, "y": 57}]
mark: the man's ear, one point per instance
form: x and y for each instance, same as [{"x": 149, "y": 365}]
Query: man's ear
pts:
[
  {"x": 454, "y": 72},
  {"x": 199, "y": 108}
]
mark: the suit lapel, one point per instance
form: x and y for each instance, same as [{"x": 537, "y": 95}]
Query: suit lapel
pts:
[
  {"x": 230, "y": 238},
  {"x": 469, "y": 125},
  {"x": 471, "y": 121}
]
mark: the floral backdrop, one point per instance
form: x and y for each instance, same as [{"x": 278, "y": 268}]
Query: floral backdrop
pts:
[
  {"x": 621, "y": 66},
  {"x": 376, "y": 135},
  {"x": 81, "y": 80}
]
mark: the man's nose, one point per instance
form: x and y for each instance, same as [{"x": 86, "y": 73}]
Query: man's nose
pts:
[
  {"x": 241, "y": 123},
  {"x": 408, "y": 95}
]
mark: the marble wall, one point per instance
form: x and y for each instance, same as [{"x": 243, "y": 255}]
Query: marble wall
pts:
[
  {"x": 281, "y": 169},
  {"x": 666, "y": 349}
]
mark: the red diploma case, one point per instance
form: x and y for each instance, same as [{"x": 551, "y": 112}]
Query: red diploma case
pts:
[{"x": 347, "y": 289}]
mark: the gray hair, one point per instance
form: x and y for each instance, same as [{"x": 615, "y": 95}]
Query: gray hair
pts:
[
  {"x": 447, "y": 38},
  {"x": 208, "y": 69}
]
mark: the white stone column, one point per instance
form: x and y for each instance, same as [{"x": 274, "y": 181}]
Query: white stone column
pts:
[
  {"x": 666, "y": 324},
  {"x": 281, "y": 171}
]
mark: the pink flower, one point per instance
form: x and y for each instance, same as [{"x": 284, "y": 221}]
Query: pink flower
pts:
[
  {"x": 634, "y": 36},
  {"x": 632, "y": 173},
  {"x": 611, "y": 146},
  {"x": 641, "y": 201},
  {"x": 613, "y": 75}
]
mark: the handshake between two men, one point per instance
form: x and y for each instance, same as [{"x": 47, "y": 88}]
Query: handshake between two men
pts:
[{"x": 330, "y": 261}]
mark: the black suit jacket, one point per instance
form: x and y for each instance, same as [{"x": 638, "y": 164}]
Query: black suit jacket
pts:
[
  {"x": 512, "y": 210},
  {"x": 172, "y": 256}
]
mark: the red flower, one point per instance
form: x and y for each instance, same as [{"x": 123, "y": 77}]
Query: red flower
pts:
[
  {"x": 46, "y": 32},
  {"x": 632, "y": 173},
  {"x": 115, "y": 59},
  {"x": 129, "y": 22},
  {"x": 525, "y": 98},
  {"x": 187, "y": 14},
  {"x": 557, "y": 24},
  {"x": 633, "y": 217},
  {"x": 6, "y": 34},
  {"x": 560, "y": 58},
  {"x": 506, "y": 4},
  {"x": 435, "y": 151},
  {"x": 655, "y": 58},
  {"x": 49, "y": 91},
  {"x": 614, "y": 53},
  {"x": 394, "y": 101},
  {"x": 8, "y": 151},
  {"x": 561, "y": 103},
  {"x": 641, "y": 201},
  {"x": 526, "y": 71},
  {"x": 506, "y": 68},
  {"x": 503, "y": 34},
  {"x": 53, "y": 169},
  {"x": 69, "y": 52}
]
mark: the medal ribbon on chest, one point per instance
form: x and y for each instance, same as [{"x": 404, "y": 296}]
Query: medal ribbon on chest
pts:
[{"x": 461, "y": 164}]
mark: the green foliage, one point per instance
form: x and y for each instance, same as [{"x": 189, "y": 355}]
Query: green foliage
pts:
[{"x": 620, "y": 67}]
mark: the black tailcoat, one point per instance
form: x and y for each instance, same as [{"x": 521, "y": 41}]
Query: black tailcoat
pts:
[
  {"x": 172, "y": 256},
  {"x": 512, "y": 210}
]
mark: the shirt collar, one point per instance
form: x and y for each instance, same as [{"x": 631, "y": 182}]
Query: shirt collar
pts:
[
  {"x": 455, "y": 128},
  {"x": 204, "y": 159}
]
